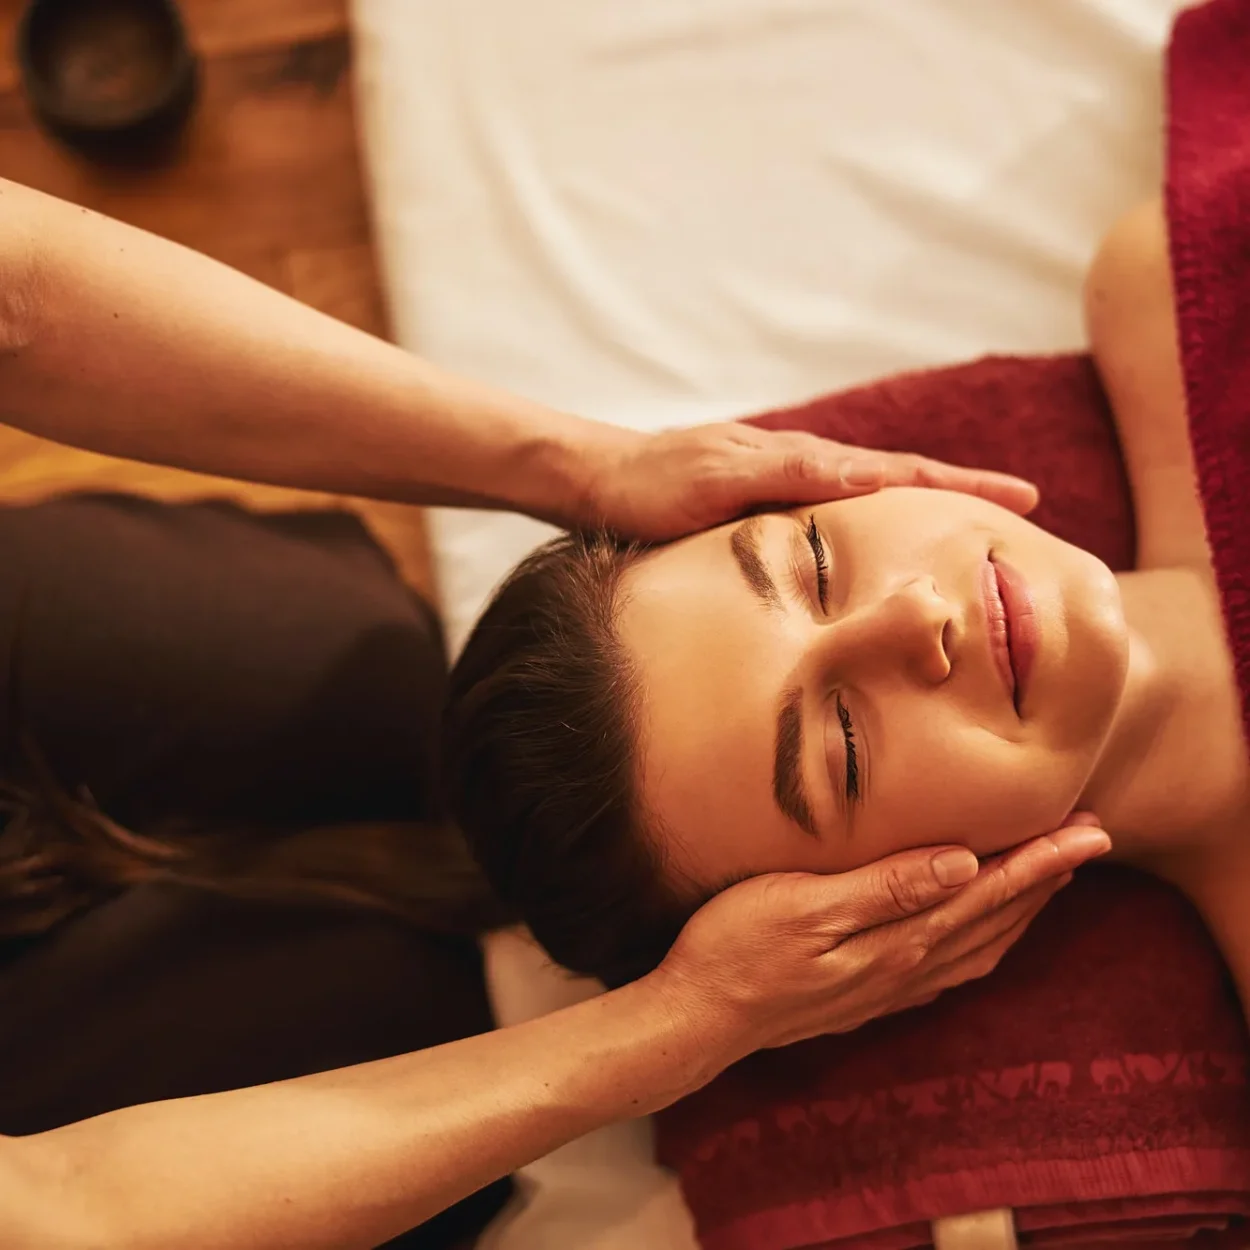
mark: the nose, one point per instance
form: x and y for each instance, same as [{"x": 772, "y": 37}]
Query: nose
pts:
[{"x": 910, "y": 627}]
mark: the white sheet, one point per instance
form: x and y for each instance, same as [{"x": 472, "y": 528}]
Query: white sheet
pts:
[
  {"x": 657, "y": 211},
  {"x": 663, "y": 211}
]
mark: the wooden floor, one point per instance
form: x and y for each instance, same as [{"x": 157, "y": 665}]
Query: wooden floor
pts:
[{"x": 269, "y": 176}]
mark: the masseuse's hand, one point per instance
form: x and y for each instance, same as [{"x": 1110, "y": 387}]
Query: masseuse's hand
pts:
[
  {"x": 664, "y": 485},
  {"x": 784, "y": 957}
]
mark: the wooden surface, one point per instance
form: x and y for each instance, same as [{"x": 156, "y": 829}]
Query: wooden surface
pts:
[{"x": 268, "y": 178}]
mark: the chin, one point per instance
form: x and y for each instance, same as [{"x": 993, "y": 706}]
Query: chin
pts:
[
  {"x": 1105, "y": 599},
  {"x": 1089, "y": 671},
  {"x": 1112, "y": 636},
  {"x": 1101, "y": 651}
]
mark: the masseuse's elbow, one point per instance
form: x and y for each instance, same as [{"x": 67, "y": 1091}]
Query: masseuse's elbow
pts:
[{"x": 24, "y": 267}]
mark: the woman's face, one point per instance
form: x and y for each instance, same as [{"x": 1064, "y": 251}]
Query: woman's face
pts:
[{"x": 823, "y": 687}]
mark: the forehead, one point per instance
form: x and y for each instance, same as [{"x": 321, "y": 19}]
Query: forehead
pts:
[{"x": 711, "y": 662}]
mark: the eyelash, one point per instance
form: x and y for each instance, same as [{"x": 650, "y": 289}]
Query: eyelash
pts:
[
  {"x": 852, "y": 756},
  {"x": 822, "y": 593},
  {"x": 822, "y": 564}
]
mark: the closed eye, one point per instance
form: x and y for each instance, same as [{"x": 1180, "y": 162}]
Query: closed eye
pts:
[
  {"x": 817, "y": 545},
  {"x": 852, "y": 754}
]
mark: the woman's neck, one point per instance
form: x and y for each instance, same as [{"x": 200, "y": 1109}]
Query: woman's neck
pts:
[
  {"x": 1174, "y": 773},
  {"x": 1173, "y": 785}
]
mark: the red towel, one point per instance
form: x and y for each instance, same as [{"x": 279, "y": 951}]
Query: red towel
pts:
[
  {"x": 1208, "y": 210},
  {"x": 1097, "y": 1084}
]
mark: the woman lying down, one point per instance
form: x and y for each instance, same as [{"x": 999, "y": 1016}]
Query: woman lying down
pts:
[{"x": 631, "y": 729}]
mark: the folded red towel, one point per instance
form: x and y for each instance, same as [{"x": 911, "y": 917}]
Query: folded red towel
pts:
[
  {"x": 1208, "y": 210},
  {"x": 1097, "y": 1084}
]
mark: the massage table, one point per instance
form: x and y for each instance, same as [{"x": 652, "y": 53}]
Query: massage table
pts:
[{"x": 660, "y": 213}]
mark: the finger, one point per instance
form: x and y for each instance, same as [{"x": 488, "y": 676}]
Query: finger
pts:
[
  {"x": 1009, "y": 876},
  {"x": 984, "y": 959},
  {"x": 798, "y": 471},
  {"x": 869, "y": 471},
  {"x": 1083, "y": 818},
  {"x": 1001, "y": 488},
  {"x": 979, "y": 960},
  {"x": 949, "y": 945},
  {"x": 922, "y": 950},
  {"x": 889, "y": 889}
]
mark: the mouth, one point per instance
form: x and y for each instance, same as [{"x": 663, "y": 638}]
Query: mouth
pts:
[
  {"x": 998, "y": 631},
  {"x": 1013, "y": 630}
]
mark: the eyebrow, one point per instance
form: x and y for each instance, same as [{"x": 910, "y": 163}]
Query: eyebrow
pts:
[
  {"x": 745, "y": 545},
  {"x": 787, "y": 763},
  {"x": 788, "y": 754}
]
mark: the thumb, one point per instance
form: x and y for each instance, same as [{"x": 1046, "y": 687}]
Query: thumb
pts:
[{"x": 896, "y": 887}]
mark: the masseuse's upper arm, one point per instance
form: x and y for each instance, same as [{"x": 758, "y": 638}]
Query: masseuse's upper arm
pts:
[{"x": 1131, "y": 319}]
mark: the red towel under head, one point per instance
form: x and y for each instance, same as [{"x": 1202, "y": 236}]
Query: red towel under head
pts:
[{"x": 1097, "y": 1083}]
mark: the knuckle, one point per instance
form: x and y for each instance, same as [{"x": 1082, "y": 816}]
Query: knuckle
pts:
[
  {"x": 999, "y": 883},
  {"x": 801, "y": 466},
  {"x": 894, "y": 963},
  {"x": 915, "y": 953},
  {"x": 902, "y": 891},
  {"x": 1048, "y": 849},
  {"x": 718, "y": 473},
  {"x": 718, "y": 463},
  {"x": 940, "y": 925}
]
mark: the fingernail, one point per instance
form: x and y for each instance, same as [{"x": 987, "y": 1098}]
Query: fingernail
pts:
[
  {"x": 862, "y": 473},
  {"x": 954, "y": 867},
  {"x": 1090, "y": 842},
  {"x": 1083, "y": 818}
]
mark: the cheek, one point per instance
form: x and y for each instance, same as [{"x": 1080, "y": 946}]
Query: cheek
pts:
[{"x": 970, "y": 787}]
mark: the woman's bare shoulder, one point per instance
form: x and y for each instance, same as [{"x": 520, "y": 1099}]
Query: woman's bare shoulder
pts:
[{"x": 1131, "y": 319}]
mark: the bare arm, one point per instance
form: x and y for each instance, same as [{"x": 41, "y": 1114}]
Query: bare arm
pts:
[
  {"x": 348, "y": 1158},
  {"x": 117, "y": 341},
  {"x": 1131, "y": 318},
  {"x": 344, "y": 1160},
  {"x": 124, "y": 343}
]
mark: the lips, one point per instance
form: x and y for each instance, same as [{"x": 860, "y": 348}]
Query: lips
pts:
[
  {"x": 998, "y": 628},
  {"x": 1023, "y": 632},
  {"x": 1011, "y": 626}
]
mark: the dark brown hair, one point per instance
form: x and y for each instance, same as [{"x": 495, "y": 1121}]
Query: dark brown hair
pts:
[
  {"x": 61, "y": 855},
  {"x": 540, "y": 754}
]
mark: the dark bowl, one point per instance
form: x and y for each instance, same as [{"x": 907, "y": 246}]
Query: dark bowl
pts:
[{"x": 115, "y": 78}]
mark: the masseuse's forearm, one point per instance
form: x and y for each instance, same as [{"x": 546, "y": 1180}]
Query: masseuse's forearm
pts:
[
  {"x": 120, "y": 342},
  {"x": 353, "y": 1157}
]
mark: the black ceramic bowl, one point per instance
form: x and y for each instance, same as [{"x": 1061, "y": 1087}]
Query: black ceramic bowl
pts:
[{"x": 115, "y": 78}]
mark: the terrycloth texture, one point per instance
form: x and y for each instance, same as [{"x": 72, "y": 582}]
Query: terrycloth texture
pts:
[
  {"x": 1097, "y": 1084},
  {"x": 1208, "y": 209}
]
